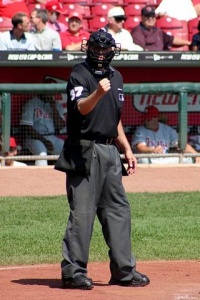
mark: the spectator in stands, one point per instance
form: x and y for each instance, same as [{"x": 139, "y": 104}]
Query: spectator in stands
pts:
[
  {"x": 158, "y": 138},
  {"x": 40, "y": 120},
  {"x": 12, "y": 152},
  {"x": 18, "y": 38},
  {"x": 45, "y": 38},
  {"x": 54, "y": 9},
  {"x": 172, "y": 9},
  {"x": 195, "y": 45},
  {"x": 116, "y": 17},
  {"x": 196, "y": 4},
  {"x": 8, "y": 8},
  {"x": 152, "y": 38},
  {"x": 72, "y": 38}
]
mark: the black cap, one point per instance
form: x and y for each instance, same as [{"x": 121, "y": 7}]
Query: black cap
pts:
[{"x": 148, "y": 11}]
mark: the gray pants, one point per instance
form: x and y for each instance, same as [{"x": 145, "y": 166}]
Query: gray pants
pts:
[{"x": 101, "y": 193}]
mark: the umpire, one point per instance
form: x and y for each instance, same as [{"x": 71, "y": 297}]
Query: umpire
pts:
[{"x": 94, "y": 168}]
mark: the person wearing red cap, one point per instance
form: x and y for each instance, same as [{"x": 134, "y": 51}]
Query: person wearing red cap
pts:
[
  {"x": 157, "y": 138},
  {"x": 72, "y": 38},
  {"x": 12, "y": 152},
  {"x": 54, "y": 9},
  {"x": 152, "y": 38}
]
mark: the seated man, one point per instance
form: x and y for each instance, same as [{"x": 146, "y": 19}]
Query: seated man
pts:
[
  {"x": 194, "y": 137},
  {"x": 152, "y": 38},
  {"x": 18, "y": 38},
  {"x": 72, "y": 38},
  {"x": 116, "y": 19},
  {"x": 45, "y": 38},
  {"x": 40, "y": 119},
  {"x": 158, "y": 138},
  {"x": 12, "y": 152}
]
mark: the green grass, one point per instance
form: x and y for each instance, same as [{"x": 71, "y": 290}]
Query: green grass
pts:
[{"x": 164, "y": 226}]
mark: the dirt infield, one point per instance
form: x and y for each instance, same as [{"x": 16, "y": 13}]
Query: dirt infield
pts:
[
  {"x": 46, "y": 181},
  {"x": 177, "y": 280},
  {"x": 172, "y": 280}
]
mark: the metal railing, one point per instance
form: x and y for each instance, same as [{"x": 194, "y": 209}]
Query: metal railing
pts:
[{"x": 182, "y": 89}]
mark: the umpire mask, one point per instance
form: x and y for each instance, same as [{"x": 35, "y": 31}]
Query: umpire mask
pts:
[{"x": 100, "y": 49}]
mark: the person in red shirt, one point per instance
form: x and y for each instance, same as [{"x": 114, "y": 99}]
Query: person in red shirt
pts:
[
  {"x": 8, "y": 8},
  {"x": 72, "y": 38},
  {"x": 54, "y": 9}
]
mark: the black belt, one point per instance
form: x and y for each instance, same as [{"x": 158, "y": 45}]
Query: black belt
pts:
[
  {"x": 100, "y": 140},
  {"x": 46, "y": 134},
  {"x": 104, "y": 140}
]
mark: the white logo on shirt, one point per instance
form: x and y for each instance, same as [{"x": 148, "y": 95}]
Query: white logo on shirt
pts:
[{"x": 121, "y": 97}]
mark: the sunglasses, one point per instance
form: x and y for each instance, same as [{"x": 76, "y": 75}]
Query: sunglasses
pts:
[{"x": 120, "y": 19}]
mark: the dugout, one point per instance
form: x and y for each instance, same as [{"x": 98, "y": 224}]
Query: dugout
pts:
[{"x": 137, "y": 68}]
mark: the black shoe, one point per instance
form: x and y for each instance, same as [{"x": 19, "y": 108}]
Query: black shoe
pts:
[
  {"x": 137, "y": 281},
  {"x": 78, "y": 282}
]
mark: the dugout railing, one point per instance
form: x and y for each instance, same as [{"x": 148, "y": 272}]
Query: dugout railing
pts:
[{"x": 181, "y": 89}]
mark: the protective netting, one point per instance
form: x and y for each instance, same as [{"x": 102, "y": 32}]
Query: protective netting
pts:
[{"x": 132, "y": 116}]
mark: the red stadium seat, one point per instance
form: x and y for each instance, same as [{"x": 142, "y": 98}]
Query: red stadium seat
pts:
[
  {"x": 192, "y": 26},
  {"x": 5, "y": 24},
  {"x": 101, "y": 9},
  {"x": 83, "y": 10},
  {"x": 83, "y": 2},
  {"x": 180, "y": 34},
  {"x": 114, "y": 2},
  {"x": 97, "y": 23},
  {"x": 133, "y": 9},
  {"x": 31, "y": 6},
  {"x": 63, "y": 19},
  {"x": 132, "y": 22},
  {"x": 176, "y": 28},
  {"x": 182, "y": 49},
  {"x": 85, "y": 24},
  {"x": 145, "y": 2},
  {"x": 171, "y": 23}
]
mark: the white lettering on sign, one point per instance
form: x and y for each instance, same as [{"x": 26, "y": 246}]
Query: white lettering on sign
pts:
[
  {"x": 191, "y": 56},
  {"x": 126, "y": 57},
  {"x": 25, "y": 56},
  {"x": 166, "y": 102}
]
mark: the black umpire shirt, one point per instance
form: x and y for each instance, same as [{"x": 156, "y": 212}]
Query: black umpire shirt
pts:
[{"x": 103, "y": 120}]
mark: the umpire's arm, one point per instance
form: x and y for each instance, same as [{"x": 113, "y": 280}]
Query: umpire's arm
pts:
[{"x": 122, "y": 139}]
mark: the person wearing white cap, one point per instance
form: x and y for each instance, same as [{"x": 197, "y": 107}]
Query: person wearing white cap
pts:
[{"x": 116, "y": 17}]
